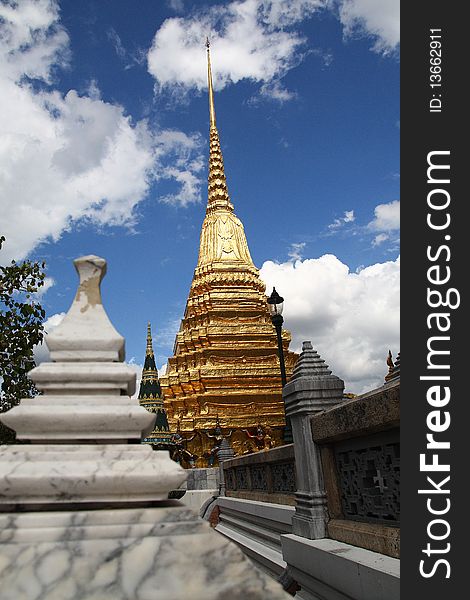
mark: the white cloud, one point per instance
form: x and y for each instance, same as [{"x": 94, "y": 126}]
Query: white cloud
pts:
[
  {"x": 380, "y": 239},
  {"x": 48, "y": 283},
  {"x": 258, "y": 40},
  {"x": 130, "y": 59},
  {"x": 296, "y": 250},
  {"x": 65, "y": 158},
  {"x": 41, "y": 352},
  {"x": 379, "y": 19},
  {"x": 275, "y": 91},
  {"x": 32, "y": 42},
  {"x": 166, "y": 336},
  {"x": 176, "y": 5},
  {"x": 387, "y": 217},
  {"x": 137, "y": 368},
  {"x": 181, "y": 161},
  {"x": 116, "y": 41},
  {"x": 249, "y": 38},
  {"x": 352, "y": 319},
  {"x": 347, "y": 218},
  {"x": 162, "y": 369}
]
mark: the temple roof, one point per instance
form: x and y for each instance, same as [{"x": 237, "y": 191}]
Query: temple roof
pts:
[
  {"x": 151, "y": 397},
  {"x": 150, "y": 385}
]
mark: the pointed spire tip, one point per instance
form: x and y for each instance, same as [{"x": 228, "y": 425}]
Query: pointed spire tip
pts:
[
  {"x": 149, "y": 339},
  {"x": 209, "y": 83}
]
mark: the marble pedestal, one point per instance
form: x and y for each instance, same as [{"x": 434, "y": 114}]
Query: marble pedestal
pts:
[
  {"x": 140, "y": 554},
  {"x": 83, "y": 513}
]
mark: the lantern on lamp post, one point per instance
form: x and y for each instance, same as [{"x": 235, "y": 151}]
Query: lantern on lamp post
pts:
[{"x": 276, "y": 305}]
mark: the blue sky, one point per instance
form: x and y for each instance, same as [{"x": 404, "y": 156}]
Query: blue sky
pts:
[{"x": 105, "y": 151}]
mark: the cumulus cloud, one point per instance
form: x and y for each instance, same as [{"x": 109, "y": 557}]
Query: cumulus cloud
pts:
[
  {"x": 379, "y": 19},
  {"x": 72, "y": 157},
  {"x": 258, "y": 40},
  {"x": 351, "y": 318},
  {"x": 387, "y": 217},
  {"x": 32, "y": 41},
  {"x": 254, "y": 40}
]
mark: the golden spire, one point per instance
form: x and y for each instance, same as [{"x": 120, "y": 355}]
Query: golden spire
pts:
[
  {"x": 218, "y": 197},
  {"x": 224, "y": 367},
  {"x": 211, "y": 90},
  {"x": 223, "y": 239},
  {"x": 149, "y": 350}
]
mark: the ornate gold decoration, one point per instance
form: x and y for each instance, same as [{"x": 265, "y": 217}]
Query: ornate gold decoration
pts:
[{"x": 225, "y": 359}]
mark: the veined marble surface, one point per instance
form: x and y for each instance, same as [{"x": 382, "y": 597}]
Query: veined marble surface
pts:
[
  {"x": 161, "y": 553},
  {"x": 85, "y": 473},
  {"x": 92, "y": 378},
  {"x": 79, "y": 418},
  {"x": 86, "y": 333},
  {"x": 151, "y": 554}
]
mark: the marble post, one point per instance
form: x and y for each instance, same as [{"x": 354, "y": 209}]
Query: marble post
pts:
[
  {"x": 84, "y": 513},
  {"x": 225, "y": 452},
  {"x": 311, "y": 389}
]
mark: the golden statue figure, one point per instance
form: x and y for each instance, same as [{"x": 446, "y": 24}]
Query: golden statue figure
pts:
[
  {"x": 262, "y": 438},
  {"x": 218, "y": 438},
  {"x": 179, "y": 452}
]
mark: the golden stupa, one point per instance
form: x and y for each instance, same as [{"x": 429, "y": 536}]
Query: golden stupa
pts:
[{"x": 225, "y": 367}]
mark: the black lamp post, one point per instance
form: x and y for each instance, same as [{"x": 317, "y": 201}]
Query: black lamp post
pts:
[{"x": 276, "y": 305}]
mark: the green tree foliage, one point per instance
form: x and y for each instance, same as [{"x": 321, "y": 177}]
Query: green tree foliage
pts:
[{"x": 21, "y": 328}]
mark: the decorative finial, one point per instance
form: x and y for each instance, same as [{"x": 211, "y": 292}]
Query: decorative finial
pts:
[
  {"x": 393, "y": 368},
  {"x": 310, "y": 363},
  {"x": 209, "y": 81},
  {"x": 86, "y": 333},
  {"x": 390, "y": 361},
  {"x": 149, "y": 350}
]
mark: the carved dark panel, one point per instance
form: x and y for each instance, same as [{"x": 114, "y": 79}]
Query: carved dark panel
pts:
[
  {"x": 258, "y": 477},
  {"x": 283, "y": 475},
  {"x": 369, "y": 478},
  {"x": 241, "y": 478},
  {"x": 229, "y": 479}
]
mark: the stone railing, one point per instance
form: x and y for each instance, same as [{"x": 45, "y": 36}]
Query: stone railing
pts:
[
  {"x": 359, "y": 443},
  {"x": 265, "y": 476}
]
